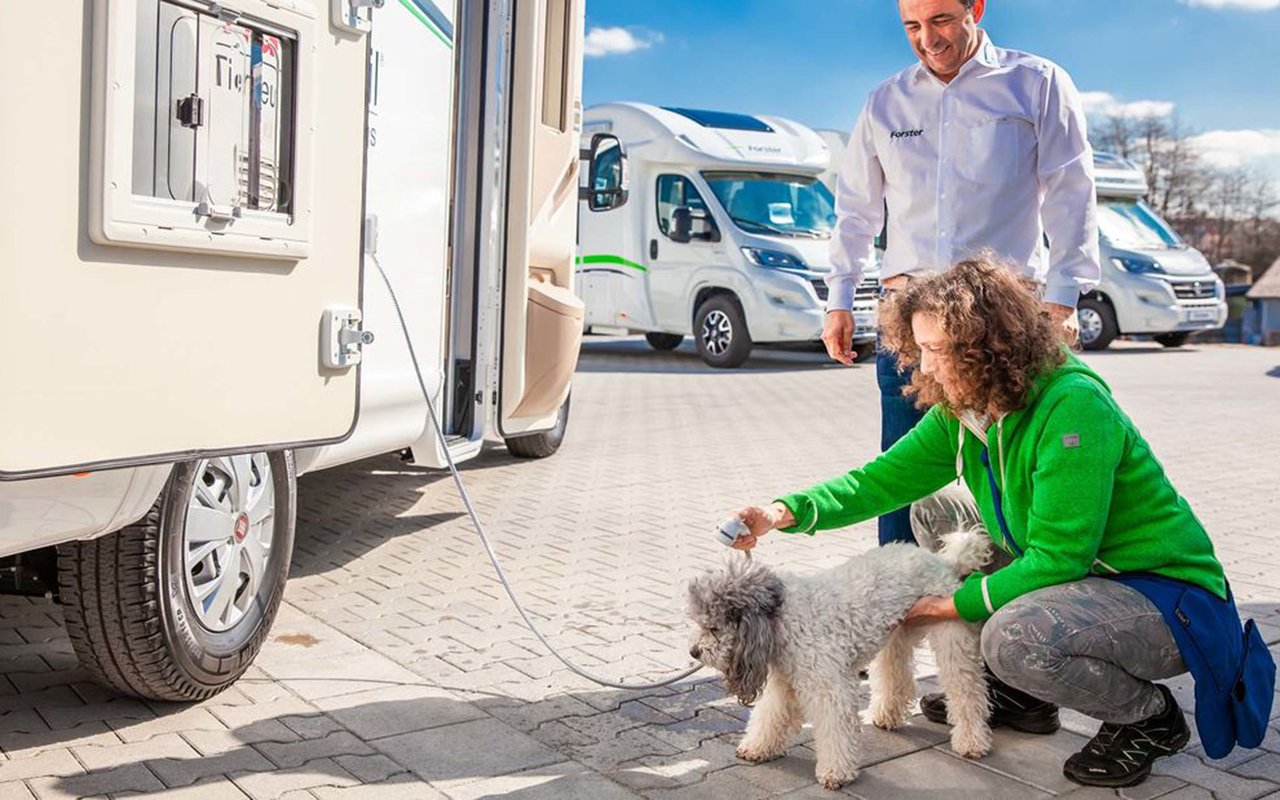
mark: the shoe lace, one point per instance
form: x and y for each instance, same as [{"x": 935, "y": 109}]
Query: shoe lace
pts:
[{"x": 1104, "y": 739}]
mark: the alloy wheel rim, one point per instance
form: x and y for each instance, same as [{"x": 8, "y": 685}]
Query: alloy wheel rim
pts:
[{"x": 717, "y": 332}]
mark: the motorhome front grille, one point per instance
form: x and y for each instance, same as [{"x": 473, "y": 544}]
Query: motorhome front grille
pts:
[
  {"x": 1194, "y": 290},
  {"x": 866, "y": 290}
]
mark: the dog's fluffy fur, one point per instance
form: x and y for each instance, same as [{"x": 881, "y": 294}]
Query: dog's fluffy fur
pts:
[{"x": 798, "y": 644}]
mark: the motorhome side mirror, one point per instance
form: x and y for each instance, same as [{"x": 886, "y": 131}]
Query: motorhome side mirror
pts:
[{"x": 608, "y": 183}]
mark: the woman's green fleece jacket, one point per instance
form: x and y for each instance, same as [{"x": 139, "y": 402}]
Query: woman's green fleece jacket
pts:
[{"x": 1081, "y": 492}]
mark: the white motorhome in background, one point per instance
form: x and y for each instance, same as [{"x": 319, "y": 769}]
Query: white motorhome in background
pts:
[
  {"x": 1152, "y": 282},
  {"x": 726, "y": 236},
  {"x": 204, "y": 228}
]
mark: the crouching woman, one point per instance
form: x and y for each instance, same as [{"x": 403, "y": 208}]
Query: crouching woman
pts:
[{"x": 1105, "y": 581}]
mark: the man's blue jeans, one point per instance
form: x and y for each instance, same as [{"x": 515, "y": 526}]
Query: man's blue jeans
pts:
[{"x": 898, "y": 415}]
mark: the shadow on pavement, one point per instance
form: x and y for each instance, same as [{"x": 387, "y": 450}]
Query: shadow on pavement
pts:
[{"x": 604, "y": 354}]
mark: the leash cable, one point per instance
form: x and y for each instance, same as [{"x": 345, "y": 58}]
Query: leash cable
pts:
[{"x": 479, "y": 527}]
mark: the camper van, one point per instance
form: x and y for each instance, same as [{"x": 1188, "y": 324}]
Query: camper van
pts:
[
  {"x": 244, "y": 240},
  {"x": 1152, "y": 282},
  {"x": 726, "y": 236}
]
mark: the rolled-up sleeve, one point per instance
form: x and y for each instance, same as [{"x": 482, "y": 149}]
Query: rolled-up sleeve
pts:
[
  {"x": 1069, "y": 204},
  {"x": 859, "y": 214}
]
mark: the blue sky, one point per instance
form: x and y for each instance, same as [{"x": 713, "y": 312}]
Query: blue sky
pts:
[{"x": 814, "y": 61}]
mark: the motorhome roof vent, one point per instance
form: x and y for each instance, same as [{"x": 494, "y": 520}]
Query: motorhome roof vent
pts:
[{"x": 722, "y": 119}]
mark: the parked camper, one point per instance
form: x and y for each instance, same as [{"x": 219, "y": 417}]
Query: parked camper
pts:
[
  {"x": 200, "y": 240},
  {"x": 1152, "y": 282},
  {"x": 726, "y": 236}
]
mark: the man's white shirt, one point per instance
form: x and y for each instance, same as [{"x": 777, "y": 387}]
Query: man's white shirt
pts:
[{"x": 996, "y": 159}]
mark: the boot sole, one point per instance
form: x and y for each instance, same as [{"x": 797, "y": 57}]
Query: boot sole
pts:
[
  {"x": 1038, "y": 727},
  {"x": 1136, "y": 778}
]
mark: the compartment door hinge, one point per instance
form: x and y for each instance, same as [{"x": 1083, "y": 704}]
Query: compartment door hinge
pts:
[{"x": 342, "y": 339}]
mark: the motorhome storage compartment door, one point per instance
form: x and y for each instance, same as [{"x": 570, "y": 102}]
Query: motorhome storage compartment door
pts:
[{"x": 203, "y": 113}]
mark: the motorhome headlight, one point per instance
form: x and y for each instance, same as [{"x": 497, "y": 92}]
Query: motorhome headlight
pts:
[
  {"x": 1138, "y": 266},
  {"x": 775, "y": 259}
]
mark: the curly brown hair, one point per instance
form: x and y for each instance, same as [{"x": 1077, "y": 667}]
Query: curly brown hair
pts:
[{"x": 999, "y": 338}]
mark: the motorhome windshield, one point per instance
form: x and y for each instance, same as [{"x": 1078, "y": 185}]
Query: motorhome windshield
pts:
[
  {"x": 777, "y": 203},
  {"x": 1133, "y": 225}
]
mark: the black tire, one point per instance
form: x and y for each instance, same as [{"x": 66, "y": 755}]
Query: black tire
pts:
[
  {"x": 1097, "y": 323},
  {"x": 1176, "y": 339},
  {"x": 720, "y": 330},
  {"x": 663, "y": 341},
  {"x": 128, "y": 611},
  {"x": 544, "y": 444},
  {"x": 862, "y": 352}
]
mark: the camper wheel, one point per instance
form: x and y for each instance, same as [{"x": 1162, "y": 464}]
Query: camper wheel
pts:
[
  {"x": 720, "y": 329},
  {"x": 1097, "y": 323},
  {"x": 663, "y": 341},
  {"x": 544, "y": 444},
  {"x": 176, "y": 606}
]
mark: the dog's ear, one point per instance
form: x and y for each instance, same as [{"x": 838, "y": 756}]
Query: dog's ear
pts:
[{"x": 753, "y": 609}]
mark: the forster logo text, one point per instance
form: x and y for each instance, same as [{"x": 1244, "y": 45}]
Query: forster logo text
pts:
[{"x": 906, "y": 134}]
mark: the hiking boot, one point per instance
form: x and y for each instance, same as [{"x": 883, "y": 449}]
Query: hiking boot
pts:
[
  {"x": 1010, "y": 708},
  {"x": 1122, "y": 755}
]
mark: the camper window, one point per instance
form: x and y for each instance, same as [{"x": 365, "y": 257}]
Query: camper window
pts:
[
  {"x": 675, "y": 191},
  {"x": 555, "y": 64}
]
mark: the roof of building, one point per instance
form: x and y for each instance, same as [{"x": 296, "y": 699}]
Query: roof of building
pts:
[{"x": 1268, "y": 286}]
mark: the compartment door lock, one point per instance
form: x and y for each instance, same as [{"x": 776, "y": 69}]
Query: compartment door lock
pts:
[{"x": 341, "y": 338}]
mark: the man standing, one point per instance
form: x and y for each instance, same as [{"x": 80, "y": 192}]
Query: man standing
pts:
[{"x": 975, "y": 147}]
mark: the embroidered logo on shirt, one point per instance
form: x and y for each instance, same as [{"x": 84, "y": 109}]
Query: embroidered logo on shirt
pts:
[
  {"x": 1071, "y": 440},
  {"x": 906, "y": 134}
]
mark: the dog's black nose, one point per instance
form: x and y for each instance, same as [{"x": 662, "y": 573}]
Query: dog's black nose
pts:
[{"x": 695, "y": 651}]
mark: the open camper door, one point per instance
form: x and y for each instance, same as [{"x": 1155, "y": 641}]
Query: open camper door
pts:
[
  {"x": 541, "y": 315},
  {"x": 180, "y": 230}
]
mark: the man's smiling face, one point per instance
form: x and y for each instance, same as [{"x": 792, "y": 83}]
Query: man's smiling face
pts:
[{"x": 943, "y": 33}]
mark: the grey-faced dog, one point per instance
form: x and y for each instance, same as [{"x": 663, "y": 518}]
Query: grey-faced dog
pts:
[{"x": 798, "y": 643}]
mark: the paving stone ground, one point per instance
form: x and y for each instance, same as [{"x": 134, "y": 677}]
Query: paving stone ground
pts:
[{"x": 397, "y": 669}]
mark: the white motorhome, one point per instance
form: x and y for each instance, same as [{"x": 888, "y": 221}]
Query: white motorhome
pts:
[
  {"x": 1152, "y": 282},
  {"x": 239, "y": 240},
  {"x": 726, "y": 236}
]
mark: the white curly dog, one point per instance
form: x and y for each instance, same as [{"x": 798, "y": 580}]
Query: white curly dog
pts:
[{"x": 798, "y": 643}]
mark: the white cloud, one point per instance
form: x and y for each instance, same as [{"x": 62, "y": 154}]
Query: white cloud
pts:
[
  {"x": 1247, "y": 5},
  {"x": 1106, "y": 104},
  {"x": 1242, "y": 148},
  {"x": 616, "y": 41}
]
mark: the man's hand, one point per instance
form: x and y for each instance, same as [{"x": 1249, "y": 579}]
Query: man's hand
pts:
[
  {"x": 760, "y": 520},
  {"x": 928, "y": 610},
  {"x": 1067, "y": 321},
  {"x": 837, "y": 335}
]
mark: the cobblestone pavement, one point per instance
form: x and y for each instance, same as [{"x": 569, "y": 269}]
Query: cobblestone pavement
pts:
[{"x": 397, "y": 669}]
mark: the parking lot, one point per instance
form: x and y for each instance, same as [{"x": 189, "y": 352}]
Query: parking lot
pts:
[{"x": 397, "y": 667}]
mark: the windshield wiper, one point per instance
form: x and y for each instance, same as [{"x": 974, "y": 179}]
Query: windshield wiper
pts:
[{"x": 761, "y": 225}]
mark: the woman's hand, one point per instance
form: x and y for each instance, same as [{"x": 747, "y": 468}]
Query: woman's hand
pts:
[
  {"x": 760, "y": 520},
  {"x": 928, "y": 610}
]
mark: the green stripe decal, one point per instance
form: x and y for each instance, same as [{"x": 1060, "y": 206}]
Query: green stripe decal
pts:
[
  {"x": 615, "y": 260},
  {"x": 431, "y": 26}
]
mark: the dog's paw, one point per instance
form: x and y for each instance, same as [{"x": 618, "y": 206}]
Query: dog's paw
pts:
[
  {"x": 888, "y": 718},
  {"x": 971, "y": 743},
  {"x": 757, "y": 755},
  {"x": 834, "y": 780}
]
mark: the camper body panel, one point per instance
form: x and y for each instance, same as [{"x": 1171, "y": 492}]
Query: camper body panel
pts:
[
  {"x": 411, "y": 131},
  {"x": 145, "y": 353}
]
